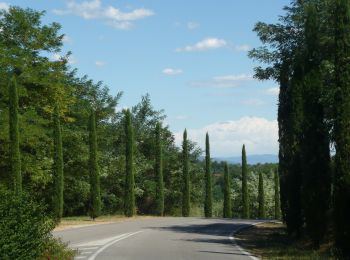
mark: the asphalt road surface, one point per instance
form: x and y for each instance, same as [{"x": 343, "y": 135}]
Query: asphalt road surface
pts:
[{"x": 158, "y": 239}]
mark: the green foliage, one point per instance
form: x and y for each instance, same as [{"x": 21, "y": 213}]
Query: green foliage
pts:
[
  {"x": 95, "y": 193},
  {"x": 55, "y": 249},
  {"x": 342, "y": 123},
  {"x": 208, "y": 212},
  {"x": 227, "y": 210},
  {"x": 245, "y": 193},
  {"x": 186, "y": 178},
  {"x": 24, "y": 228},
  {"x": 58, "y": 168},
  {"x": 159, "y": 172},
  {"x": 129, "y": 192},
  {"x": 15, "y": 156},
  {"x": 261, "y": 197},
  {"x": 277, "y": 195}
]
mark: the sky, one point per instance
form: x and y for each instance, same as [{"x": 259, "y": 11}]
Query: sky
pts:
[{"x": 189, "y": 55}]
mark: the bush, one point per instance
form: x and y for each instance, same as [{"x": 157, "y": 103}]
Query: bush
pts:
[
  {"x": 25, "y": 231},
  {"x": 56, "y": 249}
]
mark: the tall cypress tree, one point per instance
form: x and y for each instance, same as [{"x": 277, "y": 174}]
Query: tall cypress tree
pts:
[
  {"x": 129, "y": 190},
  {"x": 186, "y": 178},
  {"x": 245, "y": 195},
  {"x": 58, "y": 167},
  {"x": 315, "y": 151},
  {"x": 277, "y": 195},
  {"x": 227, "y": 211},
  {"x": 261, "y": 197},
  {"x": 342, "y": 124},
  {"x": 208, "y": 211},
  {"x": 15, "y": 156},
  {"x": 95, "y": 193},
  {"x": 158, "y": 168}
]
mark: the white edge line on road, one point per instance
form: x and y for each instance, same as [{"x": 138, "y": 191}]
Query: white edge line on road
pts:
[
  {"x": 112, "y": 242},
  {"x": 232, "y": 238}
]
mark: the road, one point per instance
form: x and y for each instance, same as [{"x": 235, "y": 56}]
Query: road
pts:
[{"x": 158, "y": 239}]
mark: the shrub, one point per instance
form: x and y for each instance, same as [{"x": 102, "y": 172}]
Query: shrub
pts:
[{"x": 24, "y": 228}]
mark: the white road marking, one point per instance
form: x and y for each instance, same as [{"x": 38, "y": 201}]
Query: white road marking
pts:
[
  {"x": 121, "y": 237},
  {"x": 87, "y": 248},
  {"x": 232, "y": 238},
  {"x": 80, "y": 257},
  {"x": 86, "y": 252}
]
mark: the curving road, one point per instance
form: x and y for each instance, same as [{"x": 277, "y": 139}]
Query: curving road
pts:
[{"x": 158, "y": 239}]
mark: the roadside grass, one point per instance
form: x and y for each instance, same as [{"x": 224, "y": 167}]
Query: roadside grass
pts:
[
  {"x": 81, "y": 221},
  {"x": 270, "y": 241}
]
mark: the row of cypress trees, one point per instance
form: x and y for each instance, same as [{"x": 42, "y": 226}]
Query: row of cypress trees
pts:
[{"x": 308, "y": 52}]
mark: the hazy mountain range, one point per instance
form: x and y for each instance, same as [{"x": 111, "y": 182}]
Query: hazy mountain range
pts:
[{"x": 251, "y": 159}]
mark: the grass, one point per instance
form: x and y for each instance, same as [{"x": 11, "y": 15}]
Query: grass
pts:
[
  {"x": 270, "y": 241},
  {"x": 80, "y": 221}
]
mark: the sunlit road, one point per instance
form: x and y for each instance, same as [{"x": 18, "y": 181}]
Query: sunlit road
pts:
[{"x": 158, "y": 239}]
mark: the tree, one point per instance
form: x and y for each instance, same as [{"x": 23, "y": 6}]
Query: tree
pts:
[
  {"x": 314, "y": 143},
  {"x": 129, "y": 189},
  {"x": 245, "y": 195},
  {"x": 227, "y": 194},
  {"x": 277, "y": 195},
  {"x": 58, "y": 167},
  {"x": 208, "y": 181},
  {"x": 158, "y": 168},
  {"x": 261, "y": 197},
  {"x": 15, "y": 156},
  {"x": 342, "y": 124},
  {"x": 186, "y": 177},
  {"x": 95, "y": 193}
]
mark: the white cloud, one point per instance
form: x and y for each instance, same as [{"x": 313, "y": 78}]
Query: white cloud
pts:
[
  {"x": 100, "y": 63},
  {"x": 67, "y": 39},
  {"x": 4, "y": 6},
  {"x": 273, "y": 91},
  {"x": 112, "y": 16},
  {"x": 192, "y": 25},
  {"x": 226, "y": 138},
  {"x": 225, "y": 81},
  {"x": 243, "y": 48},
  {"x": 206, "y": 44},
  {"x": 171, "y": 72}
]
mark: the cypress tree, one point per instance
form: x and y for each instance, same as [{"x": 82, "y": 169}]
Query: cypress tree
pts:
[
  {"x": 261, "y": 197},
  {"x": 315, "y": 151},
  {"x": 95, "y": 194},
  {"x": 58, "y": 167},
  {"x": 342, "y": 124},
  {"x": 158, "y": 167},
  {"x": 208, "y": 212},
  {"x": 245, "y": 198},
  {"x": 129, "y": 191},
  {"x": 277, "y": 195},
  {"x": 186, "y": 177},
  {"x": 15, "y": 156},
  {"x": 227, "y": 212}
]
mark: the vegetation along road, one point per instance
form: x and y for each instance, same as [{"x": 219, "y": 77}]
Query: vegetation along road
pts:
[{"x": 158, "y": 238}]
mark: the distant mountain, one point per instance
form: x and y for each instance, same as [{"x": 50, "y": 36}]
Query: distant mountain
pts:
[{"x": 251, "y": 159}]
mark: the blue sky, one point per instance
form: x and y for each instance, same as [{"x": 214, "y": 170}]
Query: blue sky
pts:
[{"x": 190, "y": 56}]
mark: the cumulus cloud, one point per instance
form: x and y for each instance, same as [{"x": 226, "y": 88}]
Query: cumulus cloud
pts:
[
  {"x": 111, "y": 15},
  {"x": 226, "y": 138},
  {"x": 225, "y": 81},
  {"x": 100, "y": 63},
  {"x": 273, "y": 91},
  {"x": 192, "y": 25},
  {"x": 206, "y": 44},
  {"x": 4, "y": 6},
  {"x": 242, "y": 48},
  {"x": 171, "y": 72}
]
